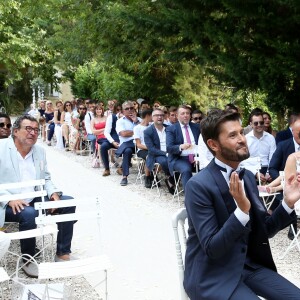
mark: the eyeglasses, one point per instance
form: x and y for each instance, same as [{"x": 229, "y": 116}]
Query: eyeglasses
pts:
[
  {"x": 2, "y": 125},
  {"x": 29, "y": 129},
  {"x": 129, "y": 108},
  {"x": 158, "y": 116},
  {"x": 260, "y": 123},
  {"x": 197, "y": 118}
]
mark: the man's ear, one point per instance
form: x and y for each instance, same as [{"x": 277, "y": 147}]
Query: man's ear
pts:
[{"x": 213, "y": 145}]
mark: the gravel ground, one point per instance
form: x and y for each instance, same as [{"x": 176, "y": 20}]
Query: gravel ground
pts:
[{"x": 289, "y": 266}]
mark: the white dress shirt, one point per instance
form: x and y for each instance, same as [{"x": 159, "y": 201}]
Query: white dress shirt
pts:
[
  {"x": 125, "y": 124},
  {"x": 162, "y": 138},
  {"x": 191, "y": 150},
  {"x": 138, "y": 133},
  {"x": 87, "y": 121}
]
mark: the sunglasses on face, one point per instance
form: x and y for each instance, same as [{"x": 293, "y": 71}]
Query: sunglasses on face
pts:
[
  {"x": 197, "y": 118},
  {"x": 29, "y": 129},
  {"x": 129, "y": 108},
  {"x": 68, "y": 104},
  {"x": 2, "y": 125},
  {"x": 260, "y": 123}
]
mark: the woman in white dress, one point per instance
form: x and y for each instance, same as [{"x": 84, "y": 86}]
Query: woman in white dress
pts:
[{"x": 66, "y": 116}]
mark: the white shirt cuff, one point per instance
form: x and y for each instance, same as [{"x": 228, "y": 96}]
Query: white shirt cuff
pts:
[
  {"x": 287, "y": 209},
  {"x": 241, "y": 216}
]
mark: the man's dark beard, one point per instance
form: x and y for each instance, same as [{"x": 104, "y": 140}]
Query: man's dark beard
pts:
[{"x": 231, "y": 155}]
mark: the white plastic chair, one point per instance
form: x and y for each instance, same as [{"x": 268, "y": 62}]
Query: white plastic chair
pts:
[
  {"x": 41, "y": 231},
  {"x": 177, "y": 190},
  {"x": 178, "y": 222},
  {"x": 77, "y": 267}
]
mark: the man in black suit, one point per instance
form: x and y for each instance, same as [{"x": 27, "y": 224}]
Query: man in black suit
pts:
[
  {"x": 228, "y": 254},
  {"x": 181, "y": 140},
  {"x": 287, "y": 133}
]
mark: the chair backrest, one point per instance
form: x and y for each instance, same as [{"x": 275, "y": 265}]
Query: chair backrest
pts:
[
  {"x": 39, "y": 191},
  {"x": 178, "y": 221}
]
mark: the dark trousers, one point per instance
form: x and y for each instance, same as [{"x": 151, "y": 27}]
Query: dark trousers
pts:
[
  {"x": 105, "y": 146},
  {"x": 26, "y": 220},
  {"x": 185, "y": 168},
  {"x": 265, "y": 283},
  {"x": 163, "y": 161},
  {"x": 50, "y": 131}
]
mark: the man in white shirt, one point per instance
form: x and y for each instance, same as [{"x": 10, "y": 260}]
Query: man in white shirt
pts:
[
  {"x": 124, "y": 128},
  {"x": 261, "y": 144},
  {"x": 87, "y": 121}
]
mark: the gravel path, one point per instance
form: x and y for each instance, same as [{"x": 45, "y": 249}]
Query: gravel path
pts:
[{"x": 136, "y": 232}]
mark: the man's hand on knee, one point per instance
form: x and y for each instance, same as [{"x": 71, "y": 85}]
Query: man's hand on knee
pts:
[{"x": 17, "y": 205}]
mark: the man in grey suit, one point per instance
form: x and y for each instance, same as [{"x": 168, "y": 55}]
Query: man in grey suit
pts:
[
  {"x": 228, "y": 255},
  {"x": 22, "y": 160}
]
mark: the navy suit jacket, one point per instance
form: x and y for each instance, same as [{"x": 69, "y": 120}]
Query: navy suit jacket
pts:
[
  {"x": 153, "y": 145},
  {"x": 175, "y": 139},
  {"x": 283, "y": 135},
  {"x": 278, "y": 160},
  {"x": 218, "y": 245}
]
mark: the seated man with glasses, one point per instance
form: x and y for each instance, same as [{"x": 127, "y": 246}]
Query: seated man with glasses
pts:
[
  {"x": 197, "y": 116},
  {"x": 261, "y": 144},
  {"x": 124, "y": 128},
  {"x": 22, "y": 160},
  {"x": 5, "y": 126}
]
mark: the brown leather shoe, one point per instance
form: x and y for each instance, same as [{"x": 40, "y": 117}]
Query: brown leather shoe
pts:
[
  {"x": 120, "y": 171},
  {"x": 106, "y": 173}
]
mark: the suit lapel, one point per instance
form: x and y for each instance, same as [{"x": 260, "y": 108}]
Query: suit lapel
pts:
[
  {"x": 14, "y": 159},
  {"x": 223, "y": 187},
  {"x": 179, "y": 132},
  {"x": 155, "y": 137}
]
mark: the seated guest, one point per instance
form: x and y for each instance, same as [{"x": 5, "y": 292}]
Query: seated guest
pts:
[
  {"x": 248, "y": 128},
  {"x": 287, "y": 133},
  {"x": 49, "y": 119},
  {"x": 124, "y": 128},
  {"x": 181, "y": 140},
  {"x": 197, "y": 116},
  {"x": 111, "y": 108},
  {"x": 142, "y": 150},
  {"x": 79, "y": 126},
  {"x": 144, "y": 105},
  {"x": 228, "y": 255},
  {"x": 97, "y": 125},
  {"x": 261, "y": 144},
  {"x": 58, "y": 121},
  {"x": 5, "y": 125},
  {"x": 89, "y": 116},
  {"x": 22, "y": 160},
  {"x": 172, "y": 116},
  {"x": 66, "y": 116},
  {"x": 112, "y": 141},
  {"x": 155, "y": 140},
  {"x": 267, "y": 124}
]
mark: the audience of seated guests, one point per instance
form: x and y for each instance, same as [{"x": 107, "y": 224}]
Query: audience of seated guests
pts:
[
  {"x": 267, "y": 123},
  {"x": 181, "y": 140},
  {"x": 5, "y": 126},
  {"x": 49, "y": 119},
  {"x": 124, "y": 128},
  {"x": 89, "y": 116},
  {"x": 261, "y": 144},
  {"x": 58, "y": 122},
  {"x": 66, "y": 116},
  {"x": 197, "y": 116},
  {"x": 142, "y": 151},
  {"x": 287, "y": 133},
  {"x": 172, "y": 115},
  {"x": 98, "y": 125},
  {"x": 155, "y": 140}
]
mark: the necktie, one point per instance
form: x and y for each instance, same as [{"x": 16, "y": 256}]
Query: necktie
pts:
[
  {"x": 241, "y": 173},
  {"x": 188, "y": 139}
]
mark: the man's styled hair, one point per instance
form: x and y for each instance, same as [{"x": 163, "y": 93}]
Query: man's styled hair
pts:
[
  {"x": 146, "y": 112},
  {"x": 157, "y": 109},
  {"x": 211, "y": 125},
  {"x": 197, "y": 111},
  {"x": 184, "y": 106},
  {"x": 256, "y": 114},
  {"x": 173, "y": 109},
  {"x": 3, "y": 115},
  {"x": 127, "y": 103},
  {"x": 19, "y": 120}
]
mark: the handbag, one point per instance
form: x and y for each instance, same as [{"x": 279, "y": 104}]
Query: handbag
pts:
[{"x": 95, "y": 161}]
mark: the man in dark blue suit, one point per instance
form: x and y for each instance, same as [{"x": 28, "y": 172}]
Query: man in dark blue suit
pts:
[
  {"x": 287, "y": 133},
  {"x": 181, "y": 140},
  {"x": 228, "y": 254},
  {"x": 155, "y": 140}
]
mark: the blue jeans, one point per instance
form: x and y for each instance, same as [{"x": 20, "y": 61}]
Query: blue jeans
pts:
[
  {"x": 26, "y": 220},
  {"x": 105, "y": 146},
  {"x": 51, "y": 131},
  {"x": 92, "y": 138}
]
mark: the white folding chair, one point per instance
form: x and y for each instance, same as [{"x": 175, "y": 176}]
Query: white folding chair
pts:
[
  {"x": 178, "y": 190},
  {"x": 178, "y": 222},
  {"x": 7, "y": 194},
  {"x": 156, "y": 181},
  {"x": 77, "y": 267}
]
